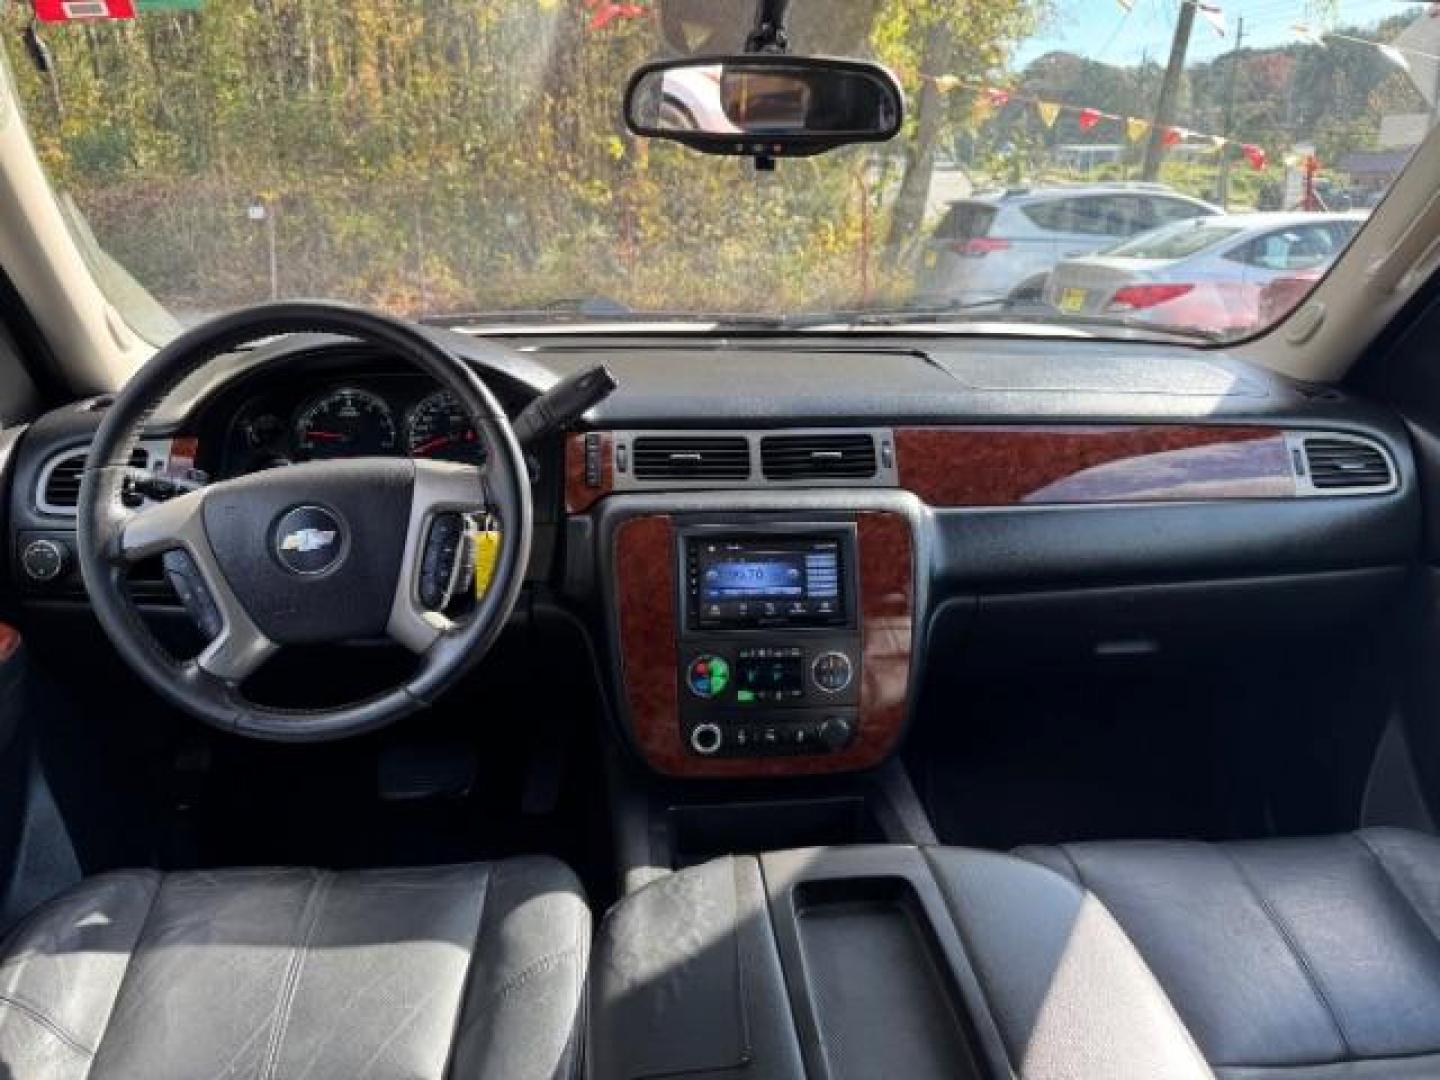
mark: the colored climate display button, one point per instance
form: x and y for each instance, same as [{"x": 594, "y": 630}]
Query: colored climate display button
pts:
[{"x": 708, "y": 676}]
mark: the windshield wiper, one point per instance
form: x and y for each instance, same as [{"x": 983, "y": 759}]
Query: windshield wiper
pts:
[
  {"x": 603, "y": 309},
  {"x": 1125, "y": 322},
  {"x": 1004, "y": 311},
  {"x": 561, "y": 309}
]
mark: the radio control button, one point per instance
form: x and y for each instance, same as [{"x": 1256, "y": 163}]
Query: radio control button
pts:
[
  {"x": 708, "y": 676},
  {"x": 832, "y": 672}
]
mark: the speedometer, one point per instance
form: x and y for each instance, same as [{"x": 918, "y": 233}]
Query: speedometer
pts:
[
  {"x": 439, "y": 428},
  {"x": 345, "y": 423}
]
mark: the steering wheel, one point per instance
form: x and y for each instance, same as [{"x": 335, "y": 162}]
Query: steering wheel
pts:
[{"x": 327, "y": 551}]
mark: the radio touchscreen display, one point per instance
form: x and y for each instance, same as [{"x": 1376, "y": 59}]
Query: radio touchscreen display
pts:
[{"x": 739, "y": 582}]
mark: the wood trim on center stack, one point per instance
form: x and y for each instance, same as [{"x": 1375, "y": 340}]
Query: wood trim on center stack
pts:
[{"x": 647, "y": 599}]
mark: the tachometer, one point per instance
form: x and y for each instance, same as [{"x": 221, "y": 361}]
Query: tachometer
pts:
[
  {"x": 439, "y": 428},
  {"x": 345, "y": 423}
]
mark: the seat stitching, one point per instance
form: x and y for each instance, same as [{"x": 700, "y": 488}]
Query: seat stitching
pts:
[
  {"x": 310, "y": 916},
  {"x": 24, "y": 1008},
  {"x": 1394, "y": 883},
  {"x": 1283, "y": 929},
  {"x": 533, "y": 970},
  {"x": 160, "y": 880}
]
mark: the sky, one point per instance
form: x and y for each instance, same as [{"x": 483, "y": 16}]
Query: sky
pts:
[{"x": 1102, "y": 30}]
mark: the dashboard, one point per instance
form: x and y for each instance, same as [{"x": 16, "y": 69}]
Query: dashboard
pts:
[{"x": 777, "y": 548}]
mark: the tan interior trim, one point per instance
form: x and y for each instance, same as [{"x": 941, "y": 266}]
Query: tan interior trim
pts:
[
  {"x": 95, "y": 348},
  {"x": 1391, "y": 257}
]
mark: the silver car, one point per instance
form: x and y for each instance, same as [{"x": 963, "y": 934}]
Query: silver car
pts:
[
  {"x": 1209, "y": 273},
  {"x": 1000, "y": 246}
]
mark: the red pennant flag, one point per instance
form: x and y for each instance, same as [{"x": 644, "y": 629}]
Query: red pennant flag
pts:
[
  {"x": 83, "y": 10},
  {"x": 1171, "y": 136},
  {"x": 1255, "y": 155},
  {"x": 1089, "y": 118},
  {"x": 998, "y": 98},
  {"x": 603, "y": 12}
]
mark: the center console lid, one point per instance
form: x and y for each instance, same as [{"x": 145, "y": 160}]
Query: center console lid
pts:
[{"x": 876, "y": 961}]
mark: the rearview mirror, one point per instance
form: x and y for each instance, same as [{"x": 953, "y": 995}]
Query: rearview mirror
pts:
[{"x": 764, "y": 105}]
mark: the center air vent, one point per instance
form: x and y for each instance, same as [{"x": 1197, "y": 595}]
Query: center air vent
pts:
[
  {"x": 707, "y": 457},
  {"x": 1346, "y": 463},
  {"x": 818, "y": 457},
  {"x": 61, "y": 488}
]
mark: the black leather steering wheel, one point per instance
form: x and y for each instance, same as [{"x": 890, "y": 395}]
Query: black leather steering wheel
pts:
[{"x": 318, "y": 552}]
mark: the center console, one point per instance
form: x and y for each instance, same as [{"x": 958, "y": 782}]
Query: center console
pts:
[
  {"x": 869, "y": 961},
  {"x": 763, "y": 644}
]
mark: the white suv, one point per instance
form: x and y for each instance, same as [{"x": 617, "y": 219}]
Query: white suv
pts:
[{"x": 998, "y": 247}]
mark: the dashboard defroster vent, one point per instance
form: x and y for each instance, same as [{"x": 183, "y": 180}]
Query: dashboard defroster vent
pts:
[
  {"x": 818, "y": 456},
  {"x": 1335, "y": 463},
  {"x": 698, "y": 457}
]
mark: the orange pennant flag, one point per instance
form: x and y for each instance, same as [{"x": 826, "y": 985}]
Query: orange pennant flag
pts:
[
  {"x": 1136, "y": 128},
  {"x": 1049, "y": 112}
]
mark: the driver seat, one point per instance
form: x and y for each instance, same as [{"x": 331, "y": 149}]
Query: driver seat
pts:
[{"x": 465, "y": 971}]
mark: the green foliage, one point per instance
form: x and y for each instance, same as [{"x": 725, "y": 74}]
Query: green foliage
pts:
[{"x": 443, "y": 155}]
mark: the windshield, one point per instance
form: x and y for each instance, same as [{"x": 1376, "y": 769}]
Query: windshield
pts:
[{"x": 465, "y": 160}]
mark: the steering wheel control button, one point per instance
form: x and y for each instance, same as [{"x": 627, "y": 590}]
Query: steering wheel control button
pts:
[
  {"x": 708, "y": 676},
  {"x": 309, "y": 540},
  {"x": 44, "y": 560},
  {"x": 832, "y": 672},
  {"x": 442, "y": 566},
  {"x": 184, "y": 577},
  {"x": 705, "y": 738}
]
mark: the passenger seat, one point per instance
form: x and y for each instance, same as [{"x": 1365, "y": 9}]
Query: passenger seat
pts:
[
  {"x": 1311, "y": 959},
  {"x": 1308, "y": 959}
]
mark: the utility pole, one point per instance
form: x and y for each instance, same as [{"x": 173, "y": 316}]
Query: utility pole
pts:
[
  {"x": 1222, "y": 184},
  {"x": 1169, "y": 90}
]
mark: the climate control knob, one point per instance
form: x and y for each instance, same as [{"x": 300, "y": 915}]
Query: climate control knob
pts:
[
  {"x": 832, "y": 672},
  {"x": 836, "y": 732},
  {"x": 44, "y": 560},
  {"x": 708, "y": 676}
]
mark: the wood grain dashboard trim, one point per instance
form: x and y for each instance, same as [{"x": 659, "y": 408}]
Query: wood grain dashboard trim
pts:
[
  {"x": 1012, "y": 466},
  {"x": 580, "y": 495},
  {"x": 648, "y": 642}
]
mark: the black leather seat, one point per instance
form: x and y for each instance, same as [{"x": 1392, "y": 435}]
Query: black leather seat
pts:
[
  {"x": 1311, "y": 959},
  {"x": 464, "y": 971}
]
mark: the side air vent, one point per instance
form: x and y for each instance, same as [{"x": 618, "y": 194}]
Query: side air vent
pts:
[
  {"x": 818, "y": 457},
  {"x": 60, "y": 487},
  {"x": 707, "y": 457},
  {"x": 1338, "y": 464}
]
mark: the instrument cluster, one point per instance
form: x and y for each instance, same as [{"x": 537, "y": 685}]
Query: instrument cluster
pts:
[{"x": 366, "y": 416}]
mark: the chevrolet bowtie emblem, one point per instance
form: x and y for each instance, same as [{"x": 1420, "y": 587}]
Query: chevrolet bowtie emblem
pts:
[{"x": 307, "y": 540}]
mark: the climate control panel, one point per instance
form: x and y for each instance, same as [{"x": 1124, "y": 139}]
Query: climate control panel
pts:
[{"x": 786, "y": 693}]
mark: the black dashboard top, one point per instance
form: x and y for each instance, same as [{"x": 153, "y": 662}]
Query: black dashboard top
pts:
[{"x": 801, "y": 380}]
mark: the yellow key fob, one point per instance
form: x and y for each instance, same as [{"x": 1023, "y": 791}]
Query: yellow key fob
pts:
[{"x": 486, "y": 544}]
